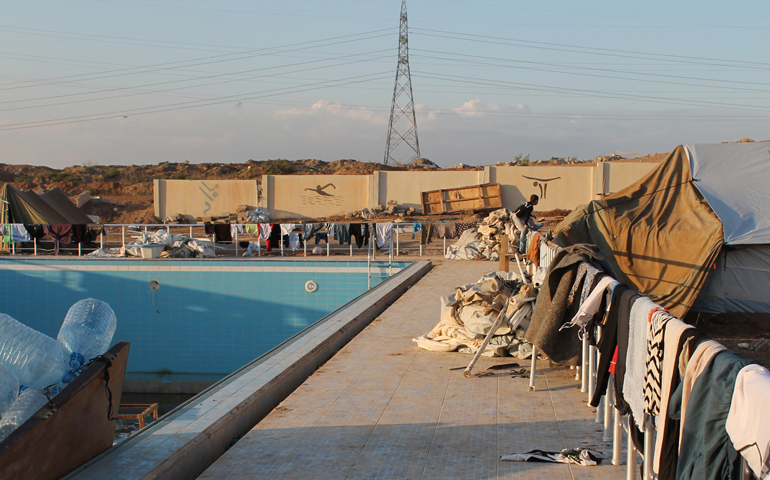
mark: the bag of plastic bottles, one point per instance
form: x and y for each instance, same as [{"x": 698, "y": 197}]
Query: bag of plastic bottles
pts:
[
  {"x": 28, "y": 403},
  {"x": 36, "y": 359},
  {"x": 9, "y": 389},
  {"x": 87, "y": 330}
]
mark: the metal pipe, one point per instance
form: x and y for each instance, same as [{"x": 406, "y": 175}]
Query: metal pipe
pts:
[
  {"x": 398, "y": 227},
  {"x": 101, "y": 239},
  {"x": 607, "y": 436},
  {"x": 369, "y": 266},
  {"x": 745, "y": 473},
  {"x": 79, "y": 252},
  {"x": 372, "y": 240},
  {"x": 421, "y": 249},
  {"x": 13, "y": 248},
  {"x": 600, "y": 411},
  {"x": 390, "y": 256},
  {"x": 533, "y": 369},
  {"x": 351, "y": 247},
  {"x": 281, "y": 242},
  {"x": 583, "y": 365},
  {"x": 649, "y": 440},
  {"x": 617, "y": 438},
  {"x": 236, "y": 242},
  {"x": 591, "y": 370},
  {"x": 191, "y": 233},
  {"x": 34, "y": 240},
  {"x": 328, "y": 243},
  {"x": 123, "y": 235},
  {"x": 630, "y": 460}
]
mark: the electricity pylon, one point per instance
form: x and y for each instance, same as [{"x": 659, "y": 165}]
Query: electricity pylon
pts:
[{"x": 402, "y": 127}]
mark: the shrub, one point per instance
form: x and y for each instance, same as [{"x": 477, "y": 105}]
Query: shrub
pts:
[
  {"x": 180, "y": 176},
  {"x": 278, "y": 167},
  {"x": 111, "y": 173}
]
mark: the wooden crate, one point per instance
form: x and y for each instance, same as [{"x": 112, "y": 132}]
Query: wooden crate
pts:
[{"x": 475, "y": 197}]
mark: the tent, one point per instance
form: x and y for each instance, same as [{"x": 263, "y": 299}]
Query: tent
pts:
[
  {"x": 59, "y": 201},
  {"x": 25, "y": 206},
  {"x": 695, "y": 231}
]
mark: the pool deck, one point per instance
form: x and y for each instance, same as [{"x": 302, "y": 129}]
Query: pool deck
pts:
[{"x": 381, "y": 408}]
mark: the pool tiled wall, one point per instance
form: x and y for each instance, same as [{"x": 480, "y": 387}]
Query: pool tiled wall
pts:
[{"x": 207, "y": 318}]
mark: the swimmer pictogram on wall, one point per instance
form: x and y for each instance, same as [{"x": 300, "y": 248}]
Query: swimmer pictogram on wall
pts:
[{"x": 321, "y": 195}]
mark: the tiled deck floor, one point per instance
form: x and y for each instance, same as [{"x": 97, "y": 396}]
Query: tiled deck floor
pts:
[{"x": 381, "y": 408}]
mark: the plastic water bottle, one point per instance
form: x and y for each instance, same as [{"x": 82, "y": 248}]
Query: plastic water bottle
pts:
[
  {"x": 9, "y": 389},
  {"x": 36, "y": 359},
  {"x": 87, "y": 330},
  {"x": 28, "y": 403}
]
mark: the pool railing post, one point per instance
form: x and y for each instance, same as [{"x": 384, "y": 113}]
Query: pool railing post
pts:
[
  {"x": 79, "y": 249},
  {"x": 583, "y": 365},
  {"x": 617, "y": 437},
  {"x": 101, "y": 239},
  {"x": 630, "y": 459},
  {"x": 123, "y": 235},
  {"x": 34, "y": 240},
  {"x": 533, "y": 368},
  {"x": 390, "y": 256},
  {"x": 397, "y": 246},
  {"x": 191, "y": 234},
  {"x": 369, "y": 266},
  {"x": 591, "y": 368},
  {"x": 649, "y": 440},
  {"x": 373, "y": 240},
  {"x": 607, "y": 434}
]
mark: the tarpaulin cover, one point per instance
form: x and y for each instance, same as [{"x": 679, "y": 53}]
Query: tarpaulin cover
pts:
[
  {"x": 733, "y": 177},
  {"x": 25, "y": 206},
  {"x": 659, "y": 234},
  {"x": 64, "y": 207}
]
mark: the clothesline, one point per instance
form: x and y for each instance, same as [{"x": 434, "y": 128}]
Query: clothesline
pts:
[{"x": 702, "y": 403}]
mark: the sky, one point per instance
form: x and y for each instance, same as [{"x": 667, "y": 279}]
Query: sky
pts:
[{"x": 143, "y": 82}]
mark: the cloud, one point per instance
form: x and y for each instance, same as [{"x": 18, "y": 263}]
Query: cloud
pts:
[
  {"x": 338, "y": 110},
  {"x": 477, "y": 108}
]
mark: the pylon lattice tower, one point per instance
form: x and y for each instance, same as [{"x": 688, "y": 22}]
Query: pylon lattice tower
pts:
[{"x": 402, "y": 127}]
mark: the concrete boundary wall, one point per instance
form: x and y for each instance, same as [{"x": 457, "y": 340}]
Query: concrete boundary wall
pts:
[
  {"x": 310, "y": 196},
  {"x": 198, "y": 198}
]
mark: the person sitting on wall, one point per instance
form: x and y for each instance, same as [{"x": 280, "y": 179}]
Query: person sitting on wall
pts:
[{"x": 523, "y": 218}]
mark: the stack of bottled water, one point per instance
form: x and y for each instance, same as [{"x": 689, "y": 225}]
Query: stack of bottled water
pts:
[
  {"x": 27, "y": 404},
  {"x": 32, "y": 361}
]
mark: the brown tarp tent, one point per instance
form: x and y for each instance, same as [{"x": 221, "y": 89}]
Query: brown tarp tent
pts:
[
  {"x": 25, "y": 206},
  {"x": 59, "y": 201},
  {"x": 659, "y": 234}
]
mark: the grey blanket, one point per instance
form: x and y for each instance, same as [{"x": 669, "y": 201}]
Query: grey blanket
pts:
[{"x": 552, "y": 308}]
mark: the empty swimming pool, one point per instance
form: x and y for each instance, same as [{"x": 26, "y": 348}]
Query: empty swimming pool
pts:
[{"x": 190, "y": 322}]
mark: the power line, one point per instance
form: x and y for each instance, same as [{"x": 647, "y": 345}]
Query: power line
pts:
[{"x": 589, "y": 50}]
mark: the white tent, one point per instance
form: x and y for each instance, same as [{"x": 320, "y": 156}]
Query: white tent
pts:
[{"x": 734, "y": 178}]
